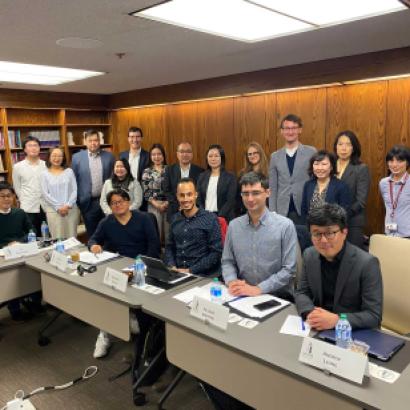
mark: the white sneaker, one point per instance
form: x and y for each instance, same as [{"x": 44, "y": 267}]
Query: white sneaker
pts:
[
  {"x": 102, "y": 345},
  {"x": 134, "y": 325}
]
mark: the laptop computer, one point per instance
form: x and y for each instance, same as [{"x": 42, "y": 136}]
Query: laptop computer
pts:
[
  {"x": 157, "y": 269},
  {"x": 382, "y": 345}
]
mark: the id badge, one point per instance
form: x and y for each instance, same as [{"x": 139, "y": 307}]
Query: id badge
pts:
[{"x": 391, "y": 227}]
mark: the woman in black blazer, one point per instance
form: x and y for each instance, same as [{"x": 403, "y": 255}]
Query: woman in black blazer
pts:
[
  {"x": 217, "y": 187},
  {"x": 323, "y": 187},
  {"x": 356, "y": 176}
]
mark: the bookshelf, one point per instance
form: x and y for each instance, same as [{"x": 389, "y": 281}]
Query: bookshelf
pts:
[{"x": 53, "y": 127}]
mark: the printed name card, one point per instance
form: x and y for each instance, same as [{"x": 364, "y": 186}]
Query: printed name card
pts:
[
  {"x": 20, "y": 249},
  {"x": 116, "y": 280},
  {"x": 210, "y": 312},
  {"x": 59, "y": 260},
  {"x": 333, "y": 359}
]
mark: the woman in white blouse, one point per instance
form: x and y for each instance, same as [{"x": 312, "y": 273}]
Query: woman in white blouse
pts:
[
  {"x": 121, "y": 179},
  {"x": 217, "y": 187},
  {"x": 59, "y": 192}
]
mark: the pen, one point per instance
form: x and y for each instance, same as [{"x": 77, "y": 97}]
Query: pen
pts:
[{"x": 302, "y": 323}]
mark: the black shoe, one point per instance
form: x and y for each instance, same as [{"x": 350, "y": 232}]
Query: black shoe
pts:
[
  {"x": 21, "y": 316},
  {"x": 139, "y": 399},
  {"x": 34, "y": 308}
]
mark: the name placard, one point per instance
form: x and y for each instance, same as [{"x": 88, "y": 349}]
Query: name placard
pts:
[
  {"x": 333, "y": 359},
  {"x": 59, "y": 260},
  {"x": 212, "y": 313},
  {"x": 20, "y": 249},
  {"x": 115, "y": 279}
]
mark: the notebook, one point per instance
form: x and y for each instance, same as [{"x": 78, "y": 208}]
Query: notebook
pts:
[{"x": 382, "y": 345}]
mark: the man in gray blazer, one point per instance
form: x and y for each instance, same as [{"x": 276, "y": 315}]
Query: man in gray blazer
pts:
[
  {"x": 91, "y": 168},
  {"x": 288, "y": 170},
  {"x": 337, "y": 277}
]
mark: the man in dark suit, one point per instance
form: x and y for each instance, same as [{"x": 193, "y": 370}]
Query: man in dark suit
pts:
[
  {"x": 175, "y": 172},
  {"x": 91, "y": 168},
  {"x": 337, "y": 276},
  {"x": 137, "y": 157}
]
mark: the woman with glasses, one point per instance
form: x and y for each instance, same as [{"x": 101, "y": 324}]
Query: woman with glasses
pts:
[
  {"x": 356, "y": 176},
  {"x": 255, "y": 160},
  {"x": 121, "y": 178},
  {"x": 216, "y": 187},
  {"x": 152, "y": 185},
  {"x": 323, "y": 187},
  {"x": 59, "y": 193},
  {"x": 395, "y": 191}
]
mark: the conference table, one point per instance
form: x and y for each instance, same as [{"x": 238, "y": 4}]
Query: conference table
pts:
[{"x": 260, "y": 366}]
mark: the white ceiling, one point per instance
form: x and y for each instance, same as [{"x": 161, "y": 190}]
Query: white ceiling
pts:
[{"x": 159, "y": 54}]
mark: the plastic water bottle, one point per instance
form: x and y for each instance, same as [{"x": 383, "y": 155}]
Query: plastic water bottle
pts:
[
  {"x": 139, "y": 272},
  {"x": 216, "y": 291},
  {"x": 343, "y": 332},
  {"x": 60, "y": 246},
  {"x": 31, "y": 237},
  {"x": 45, "y": 232}
]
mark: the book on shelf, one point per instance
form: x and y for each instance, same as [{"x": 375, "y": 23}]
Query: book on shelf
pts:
[
  {"x": 14, "y": 139},
  {"x": 1, "y": 140},
  {"x": 17, "y": 156},
  {"x": 47, "y": 138},
  {"x": 1, "y": 163}
]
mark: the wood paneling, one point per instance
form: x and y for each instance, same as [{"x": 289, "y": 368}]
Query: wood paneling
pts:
[{"x": 369, "y": 65}]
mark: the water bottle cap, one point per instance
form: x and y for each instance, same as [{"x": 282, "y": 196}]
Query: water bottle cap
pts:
[
  {"x": 343, "y": 316},
  {"x": 215, "y": 279}
]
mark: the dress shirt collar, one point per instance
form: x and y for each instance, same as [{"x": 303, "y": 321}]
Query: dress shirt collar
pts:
[
  {"x": 94, "y": 154},
  {"x": 263, "y": 220},
  {"x": 402, "y": 180},
  {"x": 136, "y": 154}
]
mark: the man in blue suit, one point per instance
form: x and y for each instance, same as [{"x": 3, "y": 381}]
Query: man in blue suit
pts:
[{"x": 91, "y": 168}]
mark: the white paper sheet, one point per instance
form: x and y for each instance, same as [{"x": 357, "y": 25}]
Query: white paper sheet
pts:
[
  {"x": 246, "y": 305},
  {"x": 94, "y": 259},
  {"x": 203, "y": 292},
  {"x": 293, "y": 326}
]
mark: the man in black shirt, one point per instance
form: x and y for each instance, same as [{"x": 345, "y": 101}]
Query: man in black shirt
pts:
[
  {"x": 194, "y": 243},
  {"x": 337, "y": 276}
]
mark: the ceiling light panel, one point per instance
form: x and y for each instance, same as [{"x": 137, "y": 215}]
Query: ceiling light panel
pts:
[
  {"x": 329, "y": 12},
  {"x": 236, "y": 19},
  {"x": 41, "y": 74}
]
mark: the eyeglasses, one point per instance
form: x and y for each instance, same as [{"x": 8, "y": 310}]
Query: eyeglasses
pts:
[
  {"x": 251, "y": 154},
  {"x": 116, "y": 203},
  {"x": 290, "y": 128},
  {"x": 317, "y": 236},
  {"x": 247, "y": 194}
]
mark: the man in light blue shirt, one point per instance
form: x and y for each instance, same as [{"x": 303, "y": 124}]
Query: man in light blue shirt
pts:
[{"x": 260, "y": 247}]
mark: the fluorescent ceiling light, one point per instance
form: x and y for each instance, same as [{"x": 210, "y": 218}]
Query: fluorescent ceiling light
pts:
[
  {"x": 236, "y": 19},
  {"x": 327, "y": 12},
  {"x": 41, "y": 74}
]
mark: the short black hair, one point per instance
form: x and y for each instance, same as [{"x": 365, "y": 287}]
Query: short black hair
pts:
[
  {"x": 221, "y": 153},
  {"x": 320, "y": 156},
  {"x": 400, "y": 152},
  {"x": 90, "y": 133},
  {"x": 63, "y": 163},
  {"x": 327, "y": 215},
  {"x": 357, "y": 149},
  {"x": 135, "y": 129},
  {"x": 293, "y": 118},
  {"x": 162, "y": 149},
  {"x": 120, "y": 192},
  {"x": 253, "y": 178},
  {"x": 30, "y": 138},
  {"x": 186, "y": 181},
  {"x": 6, "y": 186}
]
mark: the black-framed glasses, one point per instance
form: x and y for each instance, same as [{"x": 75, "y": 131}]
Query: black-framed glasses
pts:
[
  {"x": 247, "y": 194},
  {"x": 329, "y": 235}
]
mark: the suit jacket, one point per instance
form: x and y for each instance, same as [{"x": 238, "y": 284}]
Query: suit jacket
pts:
[
  {"x": 358, "y": 291},
  {"x": 282, "y": 185},
  {"x": 357, "y": 178},
  {"x": 81, "y": 169},
  {"x": 337, "y": 193},
  {"x": 171, "y": 178},
  {"x": 225, "y": 191},
  {"x": 144, "y": 161}
]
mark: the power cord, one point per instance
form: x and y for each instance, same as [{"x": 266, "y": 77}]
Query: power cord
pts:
[{"x": 89, "y": 372}]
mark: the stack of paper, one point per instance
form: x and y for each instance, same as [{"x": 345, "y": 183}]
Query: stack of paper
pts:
[{"x": 94, "y": 259}]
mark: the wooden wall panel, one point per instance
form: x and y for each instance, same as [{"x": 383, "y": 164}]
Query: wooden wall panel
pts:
[
  {"x": 398, "y": 113},
  {"x": 310, "y": 105},
  {"x": 254, "y": 120},
  {"x": 362, "y": 109}
]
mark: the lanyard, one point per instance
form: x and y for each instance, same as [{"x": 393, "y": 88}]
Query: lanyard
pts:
[{"x": 394, "y": 202}]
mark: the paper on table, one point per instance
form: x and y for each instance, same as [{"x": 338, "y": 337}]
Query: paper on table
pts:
[
  {"x": 382, "y": 373},
  {"x": 71, "y": 243},
  {"x": 293, "y": 326},
  {"x": 246, "y": 305},
  {"x": 154, "y": 290},
  {"x": 187, "y": 295},
  {"x": 203, "y": 292},
  {"x": 92, "y": 259}
]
